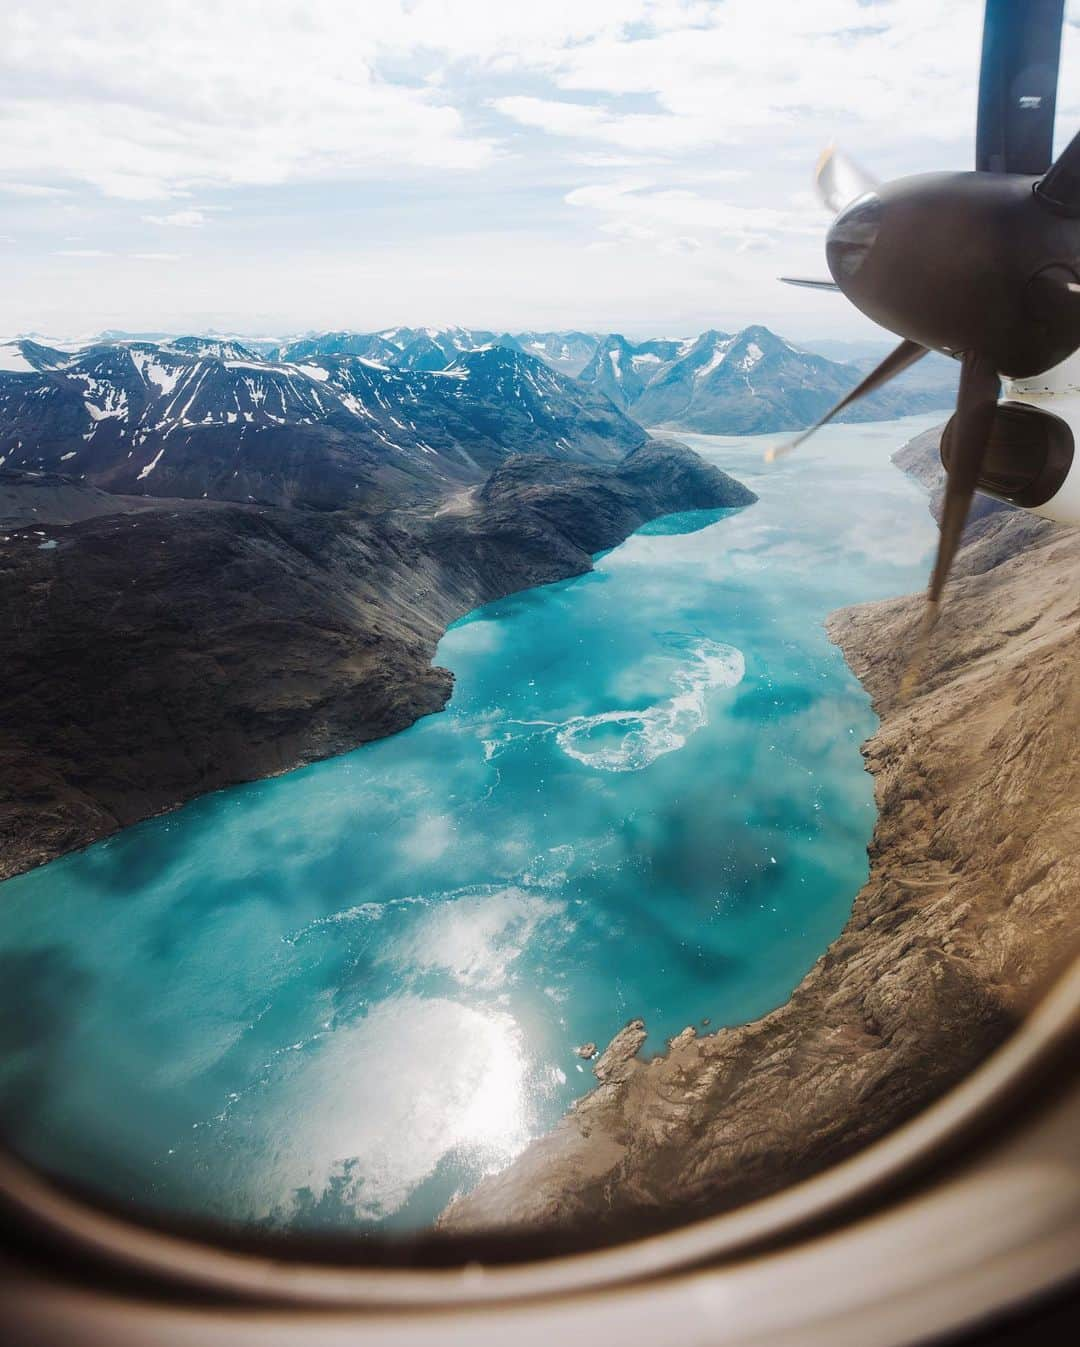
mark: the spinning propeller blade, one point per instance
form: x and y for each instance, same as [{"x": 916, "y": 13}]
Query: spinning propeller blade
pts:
[
  {"x": 976, "y": 404},
  {"x": 839, "y": 180},
  {"x": 894, "y": 363},
  {"x": 1060, "y": 188},
  {"x": 977, "y": 263},
  {"x": 969, "y": 434}
]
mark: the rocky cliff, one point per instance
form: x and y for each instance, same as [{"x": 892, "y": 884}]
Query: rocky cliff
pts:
[
  {"x": 155, "y": 650},
  {"x": 970, "y": 906}
]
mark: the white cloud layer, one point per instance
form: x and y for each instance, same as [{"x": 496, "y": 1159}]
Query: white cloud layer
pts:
[
  {"x": 179, "y": 219},
  {"x": 31, "y": 189},
  {"x": 145, "y": 102},
  {"x": 551, "y": 157}
]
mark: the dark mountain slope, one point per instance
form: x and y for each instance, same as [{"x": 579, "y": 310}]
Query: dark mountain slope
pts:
[
  {"x": 154, "y": 656},
  {"x": 34, "y": 500}
]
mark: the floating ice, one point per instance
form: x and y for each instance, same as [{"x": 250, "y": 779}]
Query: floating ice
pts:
[{"x": 640, "y": 737}]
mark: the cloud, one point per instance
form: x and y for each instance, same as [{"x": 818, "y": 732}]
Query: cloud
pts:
[
  {"x": 147, "y": 103},
  {"x": 611, "y": 160},
  {"x": 752, "y": 68},
  {"x": 179, "y": 219},
  {"x": 32, "y": 189},
  {"x": 157, "y": 257},
  {"x": 639, "y": 210},
  {"x": 81, "y": 252},
  {"x": 630, "y": 131},
  {"x": 144, "y": 103},
  {"x": 622, "y": 163}
]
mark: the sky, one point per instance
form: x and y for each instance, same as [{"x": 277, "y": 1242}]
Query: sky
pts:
[{"x": 644, "y": 166}]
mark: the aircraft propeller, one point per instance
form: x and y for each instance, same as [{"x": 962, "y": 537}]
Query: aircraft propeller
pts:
[{"x": 981, "y": 266}]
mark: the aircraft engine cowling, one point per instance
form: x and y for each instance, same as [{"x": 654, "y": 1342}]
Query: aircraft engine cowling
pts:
[
  {"x": 1031, "y": 460},
  {"x": 1033, "y": 456}
]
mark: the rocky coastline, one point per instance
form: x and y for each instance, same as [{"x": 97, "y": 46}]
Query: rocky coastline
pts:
[
  {"x": 157, "y": 649},
  {"x": 970, "y": 907}
]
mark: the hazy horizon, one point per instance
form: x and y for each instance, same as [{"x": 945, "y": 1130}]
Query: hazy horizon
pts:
[
  {"x": 641, "y": 166},
  {"x": 873, "y": 337}
]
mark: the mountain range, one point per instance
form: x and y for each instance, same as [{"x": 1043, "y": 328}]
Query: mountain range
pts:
[
  {"x": 747, "y": 382},
  {"x": 717, "y": 383},
  {"x": 402, "y": 413},
  {"x": 177, "y": 623},
  {"x": 323, "y": 425},
  {"x": 432, "y": 348}
]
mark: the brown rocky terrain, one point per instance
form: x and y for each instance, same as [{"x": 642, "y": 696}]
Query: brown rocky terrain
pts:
[
  {"x": 971, "y": 905},
  {"x": 157, "y": 649}
]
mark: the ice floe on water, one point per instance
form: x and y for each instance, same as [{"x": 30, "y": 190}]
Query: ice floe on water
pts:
[{"x": 628, "y": 740}]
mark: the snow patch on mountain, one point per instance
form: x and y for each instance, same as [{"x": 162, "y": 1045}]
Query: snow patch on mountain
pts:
[
  {"x": 145, "y": 472},
  {"x": 719, "y": 355}
]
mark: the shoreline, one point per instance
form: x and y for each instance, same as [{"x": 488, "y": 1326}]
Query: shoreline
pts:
[
  {"x": 223, "y": 645},
  {"x": 968, "y": 911}
]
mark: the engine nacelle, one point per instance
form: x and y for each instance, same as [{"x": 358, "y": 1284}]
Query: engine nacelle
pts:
[{"x": 1033, "y": 458}]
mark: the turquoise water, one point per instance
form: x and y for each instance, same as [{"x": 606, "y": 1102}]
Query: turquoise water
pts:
[{"x": 339, "y": 996}]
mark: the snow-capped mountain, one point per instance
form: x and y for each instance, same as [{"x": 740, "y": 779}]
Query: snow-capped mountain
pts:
[
  {"x": 370, "y": 345},
  {"x": 568, "y": 352},
  {"x": 436, "y": 347},
  {"x": 750, "y": 381},
  {"x": 429, "y": 348},
  {"x": 624, "y": 369},
  {"x": 369, "y": 416},
  {"x": 214, "y": 348},
  {"x": 199, "y": 417}
]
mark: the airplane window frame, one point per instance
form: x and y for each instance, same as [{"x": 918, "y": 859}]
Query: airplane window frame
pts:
[{"x": 434, "y": 1271}]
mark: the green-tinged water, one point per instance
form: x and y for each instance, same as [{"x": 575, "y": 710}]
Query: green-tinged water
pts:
[{"x": 341, "y": 995}]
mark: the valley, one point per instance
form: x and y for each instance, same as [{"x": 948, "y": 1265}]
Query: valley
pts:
[
  {"x": 221, "y": 559},
  {"x": 331, "y": 999},
  {"x": 222, "y": 563}
]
